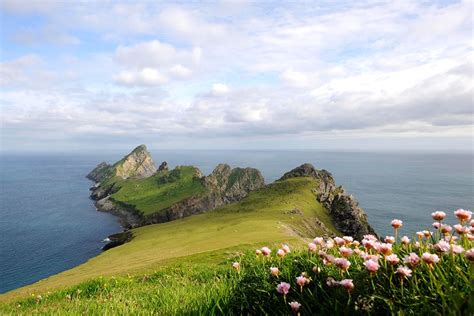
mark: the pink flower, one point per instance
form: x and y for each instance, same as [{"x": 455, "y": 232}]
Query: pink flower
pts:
[
  {"x": 442, "y": 246},
  {"x": 470, "y": 236},
  {"x": 460, "y": 229},
  {"x": 446, "y": 229},
  {"x": 274, "y": 271},
  {"x": 342, "y": 263},
  {"x": 331, "y": 282},
  {"x": 236, "y": 266},
  {"x": 258, "y": 252},
  {"x": 286, "y": 248},
  {"x": 405, "y": 240},
  {"x": 367, "y": 257},
  {"x": 389, "y": 239},
  {"x": 348, "y": 239},
  {"x": 385, "y": 249},
  {"x": 312, "y": 247},
  {"x": 318, "y": 241},
  {"x": 302, "y": 281},
  {"x": 438, "y": 215},
  {"x": 339, "y": 241},
  {"x": 266, "y": 251},
  {"x": 295, "y": 306},
  {"x": 404, "y": 272},
  {"x": 283, "y": 288},
  {"x": 396, "y": 223},
  {"x": 463, "y": 215},
  {"x": 428, "y": 234},
  {"x": 347, "y": 284},
  {"x": 329, "y": 243},
  {"x": 420, "y": 234},
  {"x": 345, "y": 252},
  {"x": 370, "y": 237},
  {"x": 281, "y": 253},
  {"x": 355, "y": 243},
  {"x": 392, "y": 259},
  {"x": 412, "y": 259},
  {"x": 470, "y": 254},
  {"x": 471, "y": 223},
  {"x": 436, "y": 225},
  {"x": 368, "y": 244},
  {"x": 371, "y": 265},
  {"x": 416, "y": 244},
  {"x": 457, "y": 249},
  {"x": 429, "y": 258}
]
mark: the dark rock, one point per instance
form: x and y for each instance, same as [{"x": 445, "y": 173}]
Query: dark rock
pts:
[
  {"x": 347, "y": 216},
  {"x": 163, "y": 166},
  {"x": 99, "y": 172},
  {"x": 118, "y": 239}
]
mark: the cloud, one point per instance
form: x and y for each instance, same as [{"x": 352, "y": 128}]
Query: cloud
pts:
[
  {"x": 146, "y": 76},
  {"x": 219, "y": 89}
]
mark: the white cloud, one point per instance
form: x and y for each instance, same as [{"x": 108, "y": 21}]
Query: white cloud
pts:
[
  {"x": 219, "y": 89},
  {"x": 180, "y": 71},
  {"x": 146, "y": 76}
]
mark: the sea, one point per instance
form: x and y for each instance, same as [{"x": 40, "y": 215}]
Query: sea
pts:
[{"x": 48, "y": 224}]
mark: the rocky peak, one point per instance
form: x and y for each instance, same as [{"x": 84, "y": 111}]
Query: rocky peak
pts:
[
  {"x": 136, "y": 164},
  {"x": 233, "y": 184},
  {"x": 308, "y": 170}
]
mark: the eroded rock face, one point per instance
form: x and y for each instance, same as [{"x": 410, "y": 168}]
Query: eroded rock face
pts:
[
  {"x": 163, "y": 166},
  {"x": 99, "y": 172},
  {"x": 348, "y": 217},
  {"x": 136, "y": 164}
]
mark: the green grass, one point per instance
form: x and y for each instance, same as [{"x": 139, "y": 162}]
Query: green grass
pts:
[
  {"x": 160, "y": 191},
  {"x": 262, "y": 217}
]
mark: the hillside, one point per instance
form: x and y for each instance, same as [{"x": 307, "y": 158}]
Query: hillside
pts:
[{"x": 283, "y": 211}]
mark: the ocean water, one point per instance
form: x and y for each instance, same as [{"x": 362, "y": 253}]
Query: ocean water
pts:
[{"x": 48, "y": 224}]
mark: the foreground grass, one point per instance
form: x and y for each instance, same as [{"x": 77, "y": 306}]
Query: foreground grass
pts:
[{"x": 264, "y": 216}]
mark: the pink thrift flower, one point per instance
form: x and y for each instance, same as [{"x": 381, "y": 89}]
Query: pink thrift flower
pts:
[
  {"x": 283, "y": 288},
  {"x": 236, "y": 266},
  {"x": 368, "y": 244},
  {"x": 471, "y": 223},
  {"x": 355, "y": 243},
  {"x": 312, "y": 247},
  {"x": 342, "y": 263},
  {"x": 302, "y": 281},
  {"x": 436, "y": 225},
  {"x": 295, "y": 306},
  {"x": 460, "y": 229},
  {"x": 470, "y": 236},
  {"x": 258, "y": 252},
  {"x": 331, "y": 282},
  {"x": 470, "y": 254},
  {"x": 446, "y": 229},
  {"x": 417, "y": 244},
  {"x": 329, "y": 243},
  {"x": 286, "y": 248},
  {"x": 370, "y": 237},
  {"x": 389, "y": 239},
  {"x": 428, "y": 234},
  {"x": 318, "y": 241},
  {"x": 274, "y": 271},
  {"x": 347, "y": 284},
  {"x": 420, "y": 234},
  {"x": 405, "y": 240},
  {"x": 429, "y": 258},
  {"x": 404, "y": 272},
  {"x": 345, "y": 252},
  {"x": 392, "y": 259},
  {"x": 385, "y": 249},
  {"x": 266, "y": 251},
  {"x": 281, "y": 253},
  {"x": 438, "y": 215},
  {"x": 371, "y": 265},
  {"x": 396, "y": 223},
  {"x": 457, "y": 249},
  {"x": 412, "y": 259},
  {"x": 348, "y": 239},
  {"x": 442, "y": 246},
  {"x": 367, "y": 257},
  {"x": 463, "y": 215},
  {"x": 339, "y": 241}
]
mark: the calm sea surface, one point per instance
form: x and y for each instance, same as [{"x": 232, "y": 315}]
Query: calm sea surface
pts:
[{"x": 48, "y": 224}]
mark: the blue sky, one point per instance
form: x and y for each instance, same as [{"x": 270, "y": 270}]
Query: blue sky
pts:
[{"x": 374, "y": 75}]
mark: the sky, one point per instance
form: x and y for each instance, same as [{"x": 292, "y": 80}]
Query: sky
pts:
[{"x": 305, "y": 75}]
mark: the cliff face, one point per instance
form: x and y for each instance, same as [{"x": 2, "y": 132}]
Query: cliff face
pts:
[
  {"x": 137, "y": 164},
  {"x": 347, "y": 216}
]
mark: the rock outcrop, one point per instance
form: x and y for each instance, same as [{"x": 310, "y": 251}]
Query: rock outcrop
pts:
[
  {"x": 163, "y": 166},
  {"x": 348, "y": 217},
  {"x": 99, "y": 173},
  {"x": 138, "y": 164}
]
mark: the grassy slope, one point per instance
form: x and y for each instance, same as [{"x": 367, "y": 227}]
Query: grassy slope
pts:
[
  {"x": 153, "y": 194},
  {"x": 260, "y": 218}
]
